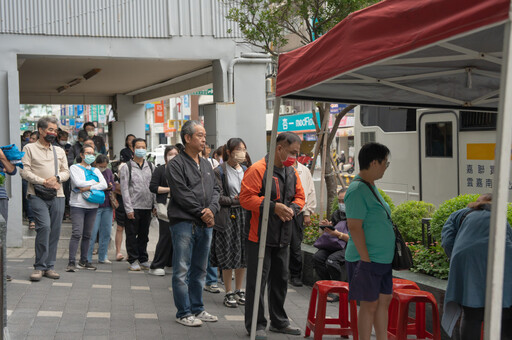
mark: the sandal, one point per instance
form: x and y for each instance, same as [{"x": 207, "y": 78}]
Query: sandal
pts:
[
  {"x": 119, "y": 257},
  {"x": 32, "y": 225}
]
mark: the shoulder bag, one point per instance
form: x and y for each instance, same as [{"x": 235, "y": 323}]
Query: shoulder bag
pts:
[
  {"x": 44, "y": 193},
  {"x": 402, "y": 260}
]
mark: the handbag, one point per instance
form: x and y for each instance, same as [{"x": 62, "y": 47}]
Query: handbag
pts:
[
  {"x": 113, "y": 200},
  {"x": 44, "y": 193},
  {"x": 331, "y": 243},
  {"x": 161, "y": 210},
  {"x": 402, "y": 260},
  {"x": 92, "y": 196}
]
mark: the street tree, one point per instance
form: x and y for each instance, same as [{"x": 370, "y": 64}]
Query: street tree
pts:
[{"x": 279, "y": 25}]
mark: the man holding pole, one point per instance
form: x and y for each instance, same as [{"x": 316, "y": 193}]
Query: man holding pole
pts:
[{"x": 287, "y": 201}]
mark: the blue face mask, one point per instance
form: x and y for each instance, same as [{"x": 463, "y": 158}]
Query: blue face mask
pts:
[
  {"x": 89, "y": 159},
  {"x": 341, "y": 206},
  {"x": 140, "y": 153}
]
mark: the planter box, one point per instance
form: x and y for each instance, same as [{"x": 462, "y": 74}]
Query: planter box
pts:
[{"x": 427, "y": 283}]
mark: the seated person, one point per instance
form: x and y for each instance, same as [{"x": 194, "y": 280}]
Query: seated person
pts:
[{"x": 329, "y": 260}]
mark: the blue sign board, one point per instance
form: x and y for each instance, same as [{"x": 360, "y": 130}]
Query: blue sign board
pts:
[
  {"x": 186, "y": 101},
  {"x": 298, "y": 122},
  {"x": 79, "y": 110},
  {"x": 147, "y": 127},
  {"x": 79, "y": 125},
  {"x": 150, "y": 106},
  {"x": 336, "y": 108}
]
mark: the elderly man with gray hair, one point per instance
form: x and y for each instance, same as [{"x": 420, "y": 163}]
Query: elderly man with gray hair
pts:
[
  {"x": 194, "y": 202},
  {"x": 45, "y": 167}
]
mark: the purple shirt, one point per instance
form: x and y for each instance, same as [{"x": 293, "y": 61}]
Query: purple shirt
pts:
[{"x": 109, "y": 178}]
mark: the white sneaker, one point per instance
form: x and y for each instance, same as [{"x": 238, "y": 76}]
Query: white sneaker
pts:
[
  {"x": 189, "y": 321},
  {"x": 212, "y": 288},
  {"x": 157, "y": 272},
  {"x": 134, "y": 267},
  {"x": 107, "y": 261},
  {"x": 206, "y": 317},
  {"x": 145, "y": 265}
]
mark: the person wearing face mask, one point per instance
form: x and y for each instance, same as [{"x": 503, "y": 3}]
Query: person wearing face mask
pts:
[
  {"x": 138, "y": 204},
  {"x": 84, "y": 178},
  {"x": 99, "y": 142},
  {"x": 287, "y": 201},
  {"x": 329, "y": 260},
  {"x": 41, "y": 162},
  {"x": 301, "y": 220},
  {"x": 103, "y": 224},
  {"x": 160, "y": 187},
  {"x": 228, "y": 242}
]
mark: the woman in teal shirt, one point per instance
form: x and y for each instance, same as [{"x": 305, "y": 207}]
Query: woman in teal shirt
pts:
[{"x": 371, "y": 245}]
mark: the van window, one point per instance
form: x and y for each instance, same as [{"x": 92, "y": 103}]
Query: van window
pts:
[
  {"x": 439, "y": 139},
  {"x": 478, "y": 121},
  {"x": 389, "y": 119}
]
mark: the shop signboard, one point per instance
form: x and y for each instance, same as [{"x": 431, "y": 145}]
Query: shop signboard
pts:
[
  {"x": 297, "y": 122},
  {"x": 186, "y": 101},
  {"x": 102, "y": 114},
  {"x": 94, "y": 113},
  {"x": 208, "y": 92},
  {"x": 159, "y": 112}
]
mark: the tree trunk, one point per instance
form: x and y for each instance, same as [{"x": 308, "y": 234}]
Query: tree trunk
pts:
[{"x": 330, "y": 184}]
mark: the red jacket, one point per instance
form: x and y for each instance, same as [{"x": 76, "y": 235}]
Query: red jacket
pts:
[{"x": 252, "y": 196}]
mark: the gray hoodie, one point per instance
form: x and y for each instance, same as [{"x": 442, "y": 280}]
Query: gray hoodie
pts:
[{"x": 136, "y": 195}]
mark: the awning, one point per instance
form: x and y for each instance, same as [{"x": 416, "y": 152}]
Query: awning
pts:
[
  {"x": 436, "y": 53},
  {"x": 429, "y": 53}
]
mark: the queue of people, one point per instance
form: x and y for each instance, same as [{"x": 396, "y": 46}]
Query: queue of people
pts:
[{"x": 209, "y": 214}]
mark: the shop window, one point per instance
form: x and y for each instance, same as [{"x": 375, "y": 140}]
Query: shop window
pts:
[
  {"x": 439, "y": 139},
  {"x": 389, "y": 119}
]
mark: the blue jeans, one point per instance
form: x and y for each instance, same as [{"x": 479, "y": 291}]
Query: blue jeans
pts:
[
  {"x": 211, "y": 274},
  {"x": 103, "y": 225},
  {"x": 189, "y": 242}
]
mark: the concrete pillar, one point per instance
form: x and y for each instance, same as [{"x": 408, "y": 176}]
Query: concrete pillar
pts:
[
  {"x": 250, "y": 100},
  {"x": 130, "y": 119},
  {"x": 10, "y": 134},
  {"x": 220, "y": 80}
]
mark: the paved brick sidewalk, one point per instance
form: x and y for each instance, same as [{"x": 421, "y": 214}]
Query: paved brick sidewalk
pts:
[{"x": 113, "y": 303}]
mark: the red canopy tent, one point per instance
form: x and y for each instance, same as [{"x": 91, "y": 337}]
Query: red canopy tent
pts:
[{"x": 430, "y": 53}]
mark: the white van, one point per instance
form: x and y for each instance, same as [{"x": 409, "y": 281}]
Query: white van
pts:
[{"x": 436, "y": 154}]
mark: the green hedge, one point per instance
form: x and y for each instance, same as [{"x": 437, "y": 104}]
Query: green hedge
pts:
[
  {"x": 407, "y": 217},
  {"x": 446, "y": 209}
]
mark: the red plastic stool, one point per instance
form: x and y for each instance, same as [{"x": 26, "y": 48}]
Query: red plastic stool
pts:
[
  {"x": 393, "y": 307},
  {"x": 317, "y": 323},
  {"x": 403, "y": 298}
]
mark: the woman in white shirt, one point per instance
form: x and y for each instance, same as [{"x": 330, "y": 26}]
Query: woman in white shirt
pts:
[{"x": 83, "y": 213}]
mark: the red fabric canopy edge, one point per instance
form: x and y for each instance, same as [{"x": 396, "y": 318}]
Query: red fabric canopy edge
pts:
[{"x": 386, "y": 29}]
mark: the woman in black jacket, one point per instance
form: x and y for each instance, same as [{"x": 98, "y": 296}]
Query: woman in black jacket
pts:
[{"x": 160, "y": 187}]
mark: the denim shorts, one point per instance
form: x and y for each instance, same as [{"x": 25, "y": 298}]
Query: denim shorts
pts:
[{"x": 367, "y": 280}]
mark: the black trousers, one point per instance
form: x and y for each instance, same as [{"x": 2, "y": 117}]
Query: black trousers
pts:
[
  {"x": 275, "y": 277},
  {"x": 163, "y": 251},
  {"x": 295, "y": 250},
  {"x": 330, "y": 265},
  {"x": 137, "y": 231},
  {"x": 472, "y": 319}
]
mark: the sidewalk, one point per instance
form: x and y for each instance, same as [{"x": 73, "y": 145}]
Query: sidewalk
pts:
[{"x": 113, "y": 303}]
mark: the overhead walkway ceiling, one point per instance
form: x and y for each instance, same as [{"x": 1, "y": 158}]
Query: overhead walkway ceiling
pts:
[{"x": 146, "y": 79}]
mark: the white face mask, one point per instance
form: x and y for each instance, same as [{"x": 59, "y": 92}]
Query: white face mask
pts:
[
  {"x": 239, "y": 156},
  {"x": 102, "y": 169},
  {"x": 90, "y": 133},
  {"x": 170, "y": 157},
  {"x": 63, "y": 142}
]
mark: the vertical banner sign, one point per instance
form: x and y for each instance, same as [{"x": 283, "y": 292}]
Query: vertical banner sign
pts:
[
  {"x": 63, "y": 114},
  {"x": 102, "y": 116},
  {"x": 94, "y": 113},
  {"x": 159, "y": 112}
]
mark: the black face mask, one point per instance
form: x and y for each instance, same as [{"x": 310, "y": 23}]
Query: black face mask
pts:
[{"x": 50, "y": 138}]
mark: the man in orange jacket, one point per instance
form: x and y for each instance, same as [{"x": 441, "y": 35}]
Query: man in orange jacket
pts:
[{"x": 287, "y": 200}]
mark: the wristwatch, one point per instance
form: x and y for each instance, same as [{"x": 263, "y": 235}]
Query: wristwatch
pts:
[{"x": 58, "y": 178}]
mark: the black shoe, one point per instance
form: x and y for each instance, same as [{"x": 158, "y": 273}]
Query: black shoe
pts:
[
  {"x": 286, "y": 330},
  {"x": 86, "y": 265},
  {"x": 296, "y": 282},
  {"x": 71, "y": 268}
]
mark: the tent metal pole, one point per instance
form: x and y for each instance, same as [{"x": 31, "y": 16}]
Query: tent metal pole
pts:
[
  {"x": 497, "y": 233},
  {"x": 264, "y": 216}
]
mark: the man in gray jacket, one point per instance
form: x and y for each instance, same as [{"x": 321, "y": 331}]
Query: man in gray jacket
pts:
[{"x": 138, "y": 204}]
